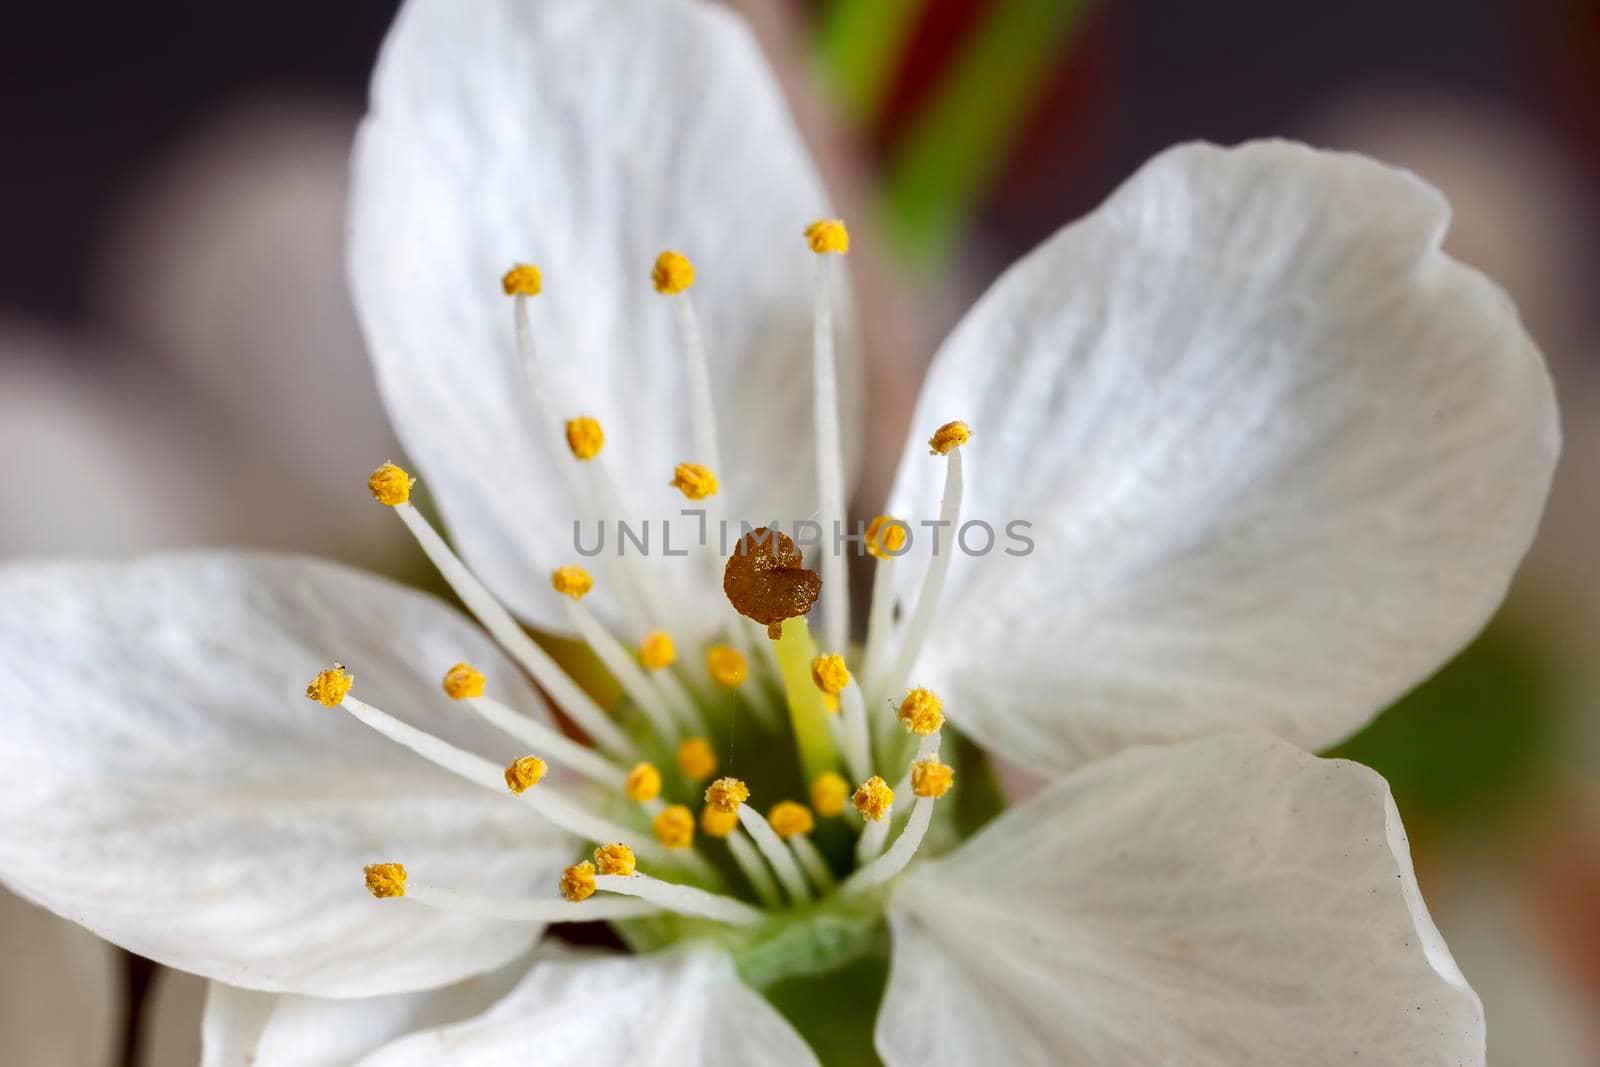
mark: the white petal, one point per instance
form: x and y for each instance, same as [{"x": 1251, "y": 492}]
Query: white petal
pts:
[
  {"x": 1280, "y": 453},
  {"x": 61, "y": 990},
  {"x": 244, "y": 1028},
  {"x": 585, "y": 137},
  {"x": 166, "y": 783},
  {"x": 645, "y": 1011},
  {"x": 1230, "y": 901}
]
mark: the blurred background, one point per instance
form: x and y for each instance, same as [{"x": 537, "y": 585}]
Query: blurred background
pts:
[{"x": 179, "y": 363}]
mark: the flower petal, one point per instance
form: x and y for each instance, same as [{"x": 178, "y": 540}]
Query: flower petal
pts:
[
  {"x": 243, "y": 1027},
  {"x": 1224, "y": 901},
  {"x": 584, "y": 137},
  {"x": 166, "y": 783},
  {"x": 688, "y": 1007},
  {"x": 1280, "y": 455}
]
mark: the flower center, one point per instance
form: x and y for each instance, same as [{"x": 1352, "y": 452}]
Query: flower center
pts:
[{"x": 667, "y": 837}]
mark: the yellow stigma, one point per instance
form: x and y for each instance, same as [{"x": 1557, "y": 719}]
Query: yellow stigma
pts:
[
  {"x": 694, "y": 481},
  {"x": 930, "y": 778},
  {"x": 830, "y": 674},
  {"x": 949, "y": 436},
  {"x": 873, "y": 799},
  {"x": 828, "y": 235},
  {"x": 523, "y": 279},
  {"x": 828, "y": 793},
  {"x": 726, "y": 794},
  {"x": 922, "y": 712},
  {"x": 577, "y": 881},
  {"x": 615, "y": 859},
  {"x": 585, "y": 437},
  {"x": 330, "y": 687},
  {"x": 390, "y": 485},
  {"x": 572, "y": 581},
  {"x": 726, "y": 666},
  {"x": 386, "y": 879},
  {"x": 696, "y": 761},
  {"x": 717, "y": 823},
  {"x": 657, "y": 650},
  {"x": 643, "y": 783},
  {"x": 524, "y": 774},
  {"x": 789, "y": 818},
  {"x": 886, "y": 537},
  {"x": 672, "y": 274},
  {"x": 463, "y": 681},
  {"x": 674, "y": 826}
]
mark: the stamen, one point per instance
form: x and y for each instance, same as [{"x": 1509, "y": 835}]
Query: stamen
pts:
[
  {"x": 657, "y": 650},
  {"x": 574, "y": 582},
  {"x": 643, "y": 784},
  {"x": 615, "y": 859},
  {"x": 524, "y": 774},
  {"x": 331, "y": 686},
  {"x": 672, "y": 274},
  {"x": 585, "y": 437},
  {"x": 886, "y": 540},
  {"x": 776, "y": 853},
  {"x": 685, "y": 899},
  {"x": 827, "y": 236},
  {"x": 726, "y": 666},
  {"x": 523, "y": 279},
  {"x": 694, "y": 480},
  {"x": 577, "y": 882},
  {"x": 922, "y": 712},
  {"x": 789, "y": 818},
  {"x": 385, "y": 880},
  {"x": 874, "y": 801},
  {"x": 696, "y": 759},
  {"x": 674, "y": 826},
  {"x": 828, "y": 794},
  {"x": 550, "y": 803},
  {"x": 717, "y": 823},
  {"x": 930, "y": 780},
  {"x": 461, "y": 681},
  {"x": 570, "y": 581},
  {"x": 830, "y": 674},
  {"x": 554, "y": 910},
  {"x": 390, "y": 485},
  {"x": 755, "y": 869},
  {"x": 727, "y": 794},
  {"x": 503, "y": 628},
  {"x": 945, "y": 442},
  {"x": 856, "y": 746}
]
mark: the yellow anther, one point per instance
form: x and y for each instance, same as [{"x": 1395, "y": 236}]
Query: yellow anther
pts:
[
  {"x": 830, "y": 674},
  {"x": 386, "y": 879},
  {"x": 585, "y": 437},
  {"x": 726, "y": 794},
  {"x": 922, "y": 712},
  {"x": 886, "y": 537},
  {"x": 615, "y": 859},
  {"x": 726, "y": 666},
  {"x": 331, "y": 686},
  {"x": 789, "y": 818},
  {"x": 463, "y": 681},
  {"x": 828, "y": 793},
  {"x": 523, "y": 279},
  {"x": 524, "y": 774},
  {"x": 696, "y": 760},
  {"x": 577, "y": 881},
  {"x": 643, "y": 783},
  {"x": 572, "y": 581},
  {"x": 657, "y": 650},
  {"x": 828, "y": 235},
  {"x": 674, "y": 826},
  {"x": 672, "y": 274},
  {"x": 873, "y": 799},
  {"x": 717, "y": 823},
  {"x": 930, "y": 778},
  {"x": 390, "y": 485},
  {"x": 830, "y": 703},
  {"x": 949, "y": 436},
  {"x": 694, "y": 480}
]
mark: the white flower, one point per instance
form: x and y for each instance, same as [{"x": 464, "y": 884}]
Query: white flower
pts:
[{"x": 1280, "y": 455}]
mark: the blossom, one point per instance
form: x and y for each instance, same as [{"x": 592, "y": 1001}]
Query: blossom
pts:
[{"x": 1279, "y": 454}]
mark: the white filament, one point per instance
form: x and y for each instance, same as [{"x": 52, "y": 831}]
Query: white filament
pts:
[
  {"x": 549, "y": 742},
  {"x": 554, "y": 910},
  {"x": 830, "y": 463},
  {"x": 684, "y": 899},
  {"x": 894, "y": 861},
  {"x": 776, "y": 852},
  {"x": 624, "y": 668},
  {"x": 755, "y": 869},
  {"x": 816, "y": 867},
  {"x": 857, "y": 746},
  {"x": 504, "y": 629},
  {"x": 873, "y": 835},
  {"x": 933, "y": 580},
  {"x": 880, "y": 618}
]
